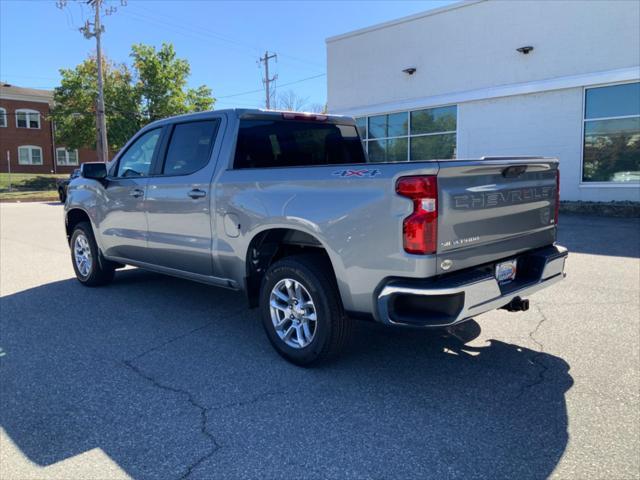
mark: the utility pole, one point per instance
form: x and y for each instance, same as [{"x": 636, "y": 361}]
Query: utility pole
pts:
[
  {"x": 89, "y": 30},
  {"x": 95, "y": 29},
  {"x": 268, "y": 80},
  {"x": 101, "y": 122},
  {"x": 103, "y": 151}
]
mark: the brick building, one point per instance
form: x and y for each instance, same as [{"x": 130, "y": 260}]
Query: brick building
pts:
[{"x": 27, "y": 135}]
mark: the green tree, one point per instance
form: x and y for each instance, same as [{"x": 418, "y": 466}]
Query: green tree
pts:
[
  {"x": 74, "y": 111},
  {"x": 162, "y": 80},
  {"x": 155, "y": 87}
]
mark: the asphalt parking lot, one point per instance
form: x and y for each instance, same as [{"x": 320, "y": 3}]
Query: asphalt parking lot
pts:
[{"x": 155, "y": 377}]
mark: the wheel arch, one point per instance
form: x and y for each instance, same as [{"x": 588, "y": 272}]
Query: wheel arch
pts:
[
  {"x": 73, "y": 217},
  {"x": 272, "y": 244}
]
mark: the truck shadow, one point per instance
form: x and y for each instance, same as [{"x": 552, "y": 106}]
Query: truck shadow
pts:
[{"x": 173, "y": 379}]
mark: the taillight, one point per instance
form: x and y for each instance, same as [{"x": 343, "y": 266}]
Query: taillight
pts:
[
  {"x": 420, "y": 229},
  {"x": 557, "y": 210}
]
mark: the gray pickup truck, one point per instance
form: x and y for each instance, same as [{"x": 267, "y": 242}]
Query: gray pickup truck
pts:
[{"x": 285, "y": 207}]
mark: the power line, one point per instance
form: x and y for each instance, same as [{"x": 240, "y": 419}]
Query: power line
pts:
[
  {"x": 301, "y": 60},
  {"x": 184, "y": 30},
  {"x": 303, "y": 80},
  {"x": 191, "y": 26},
  {"x": 240, "y": 94},
  {"x": 281, "y": 85},
  {"x": 200, "y": 32},
  {"x": 196, "y": 29}
]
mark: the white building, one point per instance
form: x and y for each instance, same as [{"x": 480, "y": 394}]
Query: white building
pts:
[{"x": 452, "y": 82}]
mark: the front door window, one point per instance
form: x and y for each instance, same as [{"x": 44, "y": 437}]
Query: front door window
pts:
[{"x": 136, "y": 161}]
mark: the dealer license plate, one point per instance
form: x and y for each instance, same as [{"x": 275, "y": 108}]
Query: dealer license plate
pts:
[{"x": 506, "y": 271}]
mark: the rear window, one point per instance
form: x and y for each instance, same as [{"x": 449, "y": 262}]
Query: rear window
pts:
[{"x": 283, "y": 143}]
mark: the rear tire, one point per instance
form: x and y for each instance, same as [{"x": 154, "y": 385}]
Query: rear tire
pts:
[
  {"x": 294, "y": 291},
  {"x": 91, "y": 268},
  {"x": 62, "y": 195}
]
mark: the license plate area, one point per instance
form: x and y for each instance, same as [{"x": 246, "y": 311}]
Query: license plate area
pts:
[{"x": 506, "y": 271}]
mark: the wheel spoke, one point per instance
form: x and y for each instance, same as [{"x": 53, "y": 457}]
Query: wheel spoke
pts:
[
  {"x": 288, "y": 332},
  {"x": 277, "y": 306},
  {"x": 281, "y": 295},
  {"x": 310, "y": 316},
  {"x": 307, "y": 330},
  {"x": 280, "y": 324},
  {"x": 290, "y": 292},
  {"x": 302, "y": 341}
]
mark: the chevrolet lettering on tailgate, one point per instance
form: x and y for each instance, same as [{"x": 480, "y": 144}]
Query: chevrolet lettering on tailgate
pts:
[{"x": 490, "y": 199}]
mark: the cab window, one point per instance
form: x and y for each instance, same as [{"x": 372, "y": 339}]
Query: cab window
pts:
[
  {"x": 190, "y": 147},
  {"x": 136, "y": 161},
  {"x": 284, "y": 143}
]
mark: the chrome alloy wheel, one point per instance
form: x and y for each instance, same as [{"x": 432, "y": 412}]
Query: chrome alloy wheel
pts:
[
  {"x": 82, "y": 255},
  {"x": 293, "y": 313}
]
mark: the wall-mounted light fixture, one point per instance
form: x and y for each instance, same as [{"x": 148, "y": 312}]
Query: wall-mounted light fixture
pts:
[
  {"x": 410, "y": 70},
  {"x": 525, "y": 50}
]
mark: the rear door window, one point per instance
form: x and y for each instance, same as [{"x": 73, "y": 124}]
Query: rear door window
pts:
[
  {"x": 284, "y": 143},
  {"x": 189, "y": 148}
]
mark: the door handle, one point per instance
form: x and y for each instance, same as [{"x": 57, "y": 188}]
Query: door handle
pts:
[
  {"x": 197, "y": 193},
  {"x": 136, "y": 192}
]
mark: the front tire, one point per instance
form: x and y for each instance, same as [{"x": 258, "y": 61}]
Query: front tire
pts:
[
  {"x": 91, "y": 269},
  {"x": 301, "y": 310}
]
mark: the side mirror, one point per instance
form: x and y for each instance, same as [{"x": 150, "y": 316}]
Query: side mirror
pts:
[{"x": 94, "y": 170}]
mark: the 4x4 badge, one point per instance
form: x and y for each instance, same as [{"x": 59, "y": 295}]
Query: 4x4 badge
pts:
[{"x": 366, "y": 172}]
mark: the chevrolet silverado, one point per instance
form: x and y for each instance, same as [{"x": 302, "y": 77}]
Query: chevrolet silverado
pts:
[{"x": 286, "y": 207}]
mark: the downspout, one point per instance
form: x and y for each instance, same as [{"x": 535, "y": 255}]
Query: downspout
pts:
[{"x": 53, "y": 143}]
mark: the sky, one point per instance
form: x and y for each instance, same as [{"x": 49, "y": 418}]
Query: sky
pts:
[{"x": 221, "y": 39}]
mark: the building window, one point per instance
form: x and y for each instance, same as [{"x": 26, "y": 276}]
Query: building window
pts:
[
  {"x": 27, "y": 118},
  {"x": 611, "y": 143},
  {"x": 29, "y": 155},
  {"x": 387, "y": 141},
  {"x": 416, "y": 135},
  {"x": 3, "y": 117},
  {"x": 433, "y": 133},
  {"x": 66, "y": 157}
]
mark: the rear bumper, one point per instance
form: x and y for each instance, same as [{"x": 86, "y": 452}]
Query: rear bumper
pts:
[{"x": 456, "y": 297}]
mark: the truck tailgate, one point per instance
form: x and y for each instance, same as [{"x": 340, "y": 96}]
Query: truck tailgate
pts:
[{"x": 493, "y": 208}]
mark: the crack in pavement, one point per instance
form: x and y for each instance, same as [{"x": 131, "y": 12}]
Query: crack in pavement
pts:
[
  {"x": 215, "y": 446},
  {"x": 204, "y": 430},
  {"x": 171, "y": 340},
  {"x": 533, "y": 360}
]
